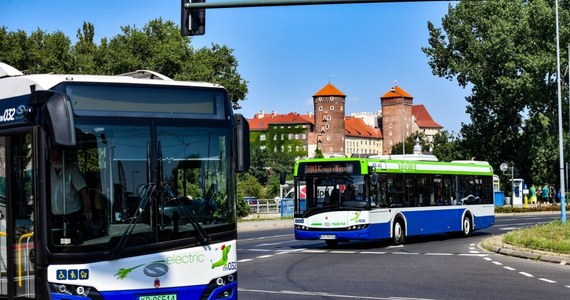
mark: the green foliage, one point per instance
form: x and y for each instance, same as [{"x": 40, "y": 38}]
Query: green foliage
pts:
[
  {"x": 158, "y": 46},
  {"x": 447, "y": 147},
  {"x": 505, "y": 52}
]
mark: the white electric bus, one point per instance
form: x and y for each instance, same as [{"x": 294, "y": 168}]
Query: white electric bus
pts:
[
  {"x": 156, "y": 159},
  {"x": 344, "y": 199}
]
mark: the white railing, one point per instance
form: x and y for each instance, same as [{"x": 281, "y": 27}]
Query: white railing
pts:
[{"x": 264, "y": 206}]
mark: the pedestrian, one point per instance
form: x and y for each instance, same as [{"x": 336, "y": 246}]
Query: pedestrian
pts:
[
  {"x": 545, "y": 194},
  {"x": 532, "y": 192}
]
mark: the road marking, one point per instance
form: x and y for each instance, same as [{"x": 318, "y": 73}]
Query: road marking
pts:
[
  {"x": 497, "y": 263},
  {"x": 440, "y": 254},
  {"x": 245, "y": 260},
  {"x": 526, "y": 274},
  {"x": 276, "y": 243},
  {"x": 342, "y": 252},
  {"x": 487, "y": 258},
  {"x": 327, "y": 295},
  {"x": 314, "y": 251},
  {"x": 266, "y": 237},
  {"x": 264, "y": 256},
  {"x": 547, "y": 280},
  {"x": 256, "y": 250},
  {"x": 510, "y": 269},
  {"x": 406, "y": 253}
]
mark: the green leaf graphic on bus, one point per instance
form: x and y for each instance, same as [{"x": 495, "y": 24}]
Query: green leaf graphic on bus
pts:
[
  {"x": 224, "y": 260},
  {"x": 356, "y": 216},
  {"x": 123, "y": 272}
]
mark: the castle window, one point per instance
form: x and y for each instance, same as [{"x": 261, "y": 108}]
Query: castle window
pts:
[{"x": 262, "y": 137}]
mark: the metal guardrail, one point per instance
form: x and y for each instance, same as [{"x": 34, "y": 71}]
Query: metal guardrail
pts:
[{"x": 264, "y": 206}]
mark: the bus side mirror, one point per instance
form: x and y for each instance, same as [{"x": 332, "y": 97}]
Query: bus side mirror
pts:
[
  {"x": 56, "y": 112},
  {"x": 242, "y": 143}
]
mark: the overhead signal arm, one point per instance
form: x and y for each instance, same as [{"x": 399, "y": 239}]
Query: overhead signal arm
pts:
[{"x": 193, "y": 12}]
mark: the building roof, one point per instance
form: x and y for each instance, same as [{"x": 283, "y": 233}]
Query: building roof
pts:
[
  {"x": 396, "y": 92},
  {"x": 423, "y": 118},
  {"x": 329, "y": 90},
  {"x": 355, "y": 127},
  {"x": 262, "y": 120}
]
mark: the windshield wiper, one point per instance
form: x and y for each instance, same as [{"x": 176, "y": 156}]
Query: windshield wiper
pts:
[
  {"x": 201, "y": 234},
  {"x": 146, "y": 194}
]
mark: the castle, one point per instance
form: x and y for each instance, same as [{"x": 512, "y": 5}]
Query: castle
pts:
[{"x": 328, "y": 129}]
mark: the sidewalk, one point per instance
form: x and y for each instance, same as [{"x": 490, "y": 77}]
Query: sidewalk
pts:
[
  {"x": 496, "y": 244},
  {"x": 249, "y": 225}
]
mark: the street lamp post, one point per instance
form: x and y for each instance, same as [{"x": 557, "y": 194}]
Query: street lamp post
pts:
[{"x": 560, "y": 135}]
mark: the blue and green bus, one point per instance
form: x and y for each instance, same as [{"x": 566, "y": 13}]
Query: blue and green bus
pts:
[{"x": 344, "y": 199}]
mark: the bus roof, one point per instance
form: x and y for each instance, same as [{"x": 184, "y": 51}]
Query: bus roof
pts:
[
  {"x": 407, "y": 166},
  {"x": 14, "y": 84}
]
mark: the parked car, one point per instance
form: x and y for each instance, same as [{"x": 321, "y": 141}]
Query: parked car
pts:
[{"x": 250, "y": 200}]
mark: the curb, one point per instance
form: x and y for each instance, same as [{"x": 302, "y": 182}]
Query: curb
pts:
[
  {"x": 264, "y": 224},
  {"x": 497, "y": 245}
]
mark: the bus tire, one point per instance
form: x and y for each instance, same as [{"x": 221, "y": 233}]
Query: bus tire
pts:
[
  {"x": 467, "y": 226},
  {"x": 398, "y": 233},
  {"x": 332, "y": 243}
]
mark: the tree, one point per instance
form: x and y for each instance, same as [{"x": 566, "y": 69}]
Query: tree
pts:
[
  {"x": 504, "y": 51},
  {"x": 158, "y": 46},
  {"x": 447, "y": 147}
]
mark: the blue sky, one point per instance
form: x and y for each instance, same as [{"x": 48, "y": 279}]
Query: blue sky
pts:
[{"x": 287, "y": 54}]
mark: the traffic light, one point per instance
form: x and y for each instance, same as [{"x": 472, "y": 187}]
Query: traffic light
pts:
[{"x": 192, "y": 21}]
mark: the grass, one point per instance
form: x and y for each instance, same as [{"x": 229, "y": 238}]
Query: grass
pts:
[{"x": 552, "y": 237}]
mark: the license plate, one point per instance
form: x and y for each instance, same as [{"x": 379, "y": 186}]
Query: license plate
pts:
[
  {"x": 158, "y": 297},
  {"x": 328, "y": 237}
]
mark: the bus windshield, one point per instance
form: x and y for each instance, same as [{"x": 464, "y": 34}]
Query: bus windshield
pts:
[
  {"x": 329, "y": 191},
  {"x": 146, "y": 181}
]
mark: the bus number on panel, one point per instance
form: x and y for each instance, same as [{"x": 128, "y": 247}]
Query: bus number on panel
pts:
[{"x": 8, "y": 115}]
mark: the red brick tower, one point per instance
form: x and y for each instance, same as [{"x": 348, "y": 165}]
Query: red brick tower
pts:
[
  {"x": 329, "y": 120},
  {"x": 396, "y": 117}
]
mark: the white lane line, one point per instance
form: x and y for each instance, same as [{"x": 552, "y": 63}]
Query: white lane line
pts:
[
  {"x": 245, "y": 260},
  {"x": 342, "y": 252},
  {"x": 326, "y": 295},
  {"x": 497, "y": 263},
  {"x": 487, "y": 258},
  {"x": 264, "y": 256},
  {"x": 314, "y": 251},
  {"x": 405, "y": 253},
  {"x": 547, "y": 280},
  {"x": 526, "y": 274},
  {"x": 440, "y": 254},
  {"x": 371, "y": 252},
  {"x": 510, "y": 269}
]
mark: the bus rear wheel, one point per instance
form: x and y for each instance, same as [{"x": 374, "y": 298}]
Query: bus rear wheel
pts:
[
  {"x": 398, "y": 233},
  {"x": 467, "y": 226}
]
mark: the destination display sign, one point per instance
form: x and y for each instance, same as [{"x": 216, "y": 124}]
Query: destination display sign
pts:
[{"x": 330, "y": 167}]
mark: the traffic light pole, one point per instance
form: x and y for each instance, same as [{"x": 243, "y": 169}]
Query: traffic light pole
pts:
[
  {"x": 193, "y": 12},
  {"x": 257, "y": 3}
]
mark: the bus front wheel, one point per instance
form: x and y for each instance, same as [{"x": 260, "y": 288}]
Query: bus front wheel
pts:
[
  {"x": 467, "y": 226},
  {"x": 398, "y": 233}
]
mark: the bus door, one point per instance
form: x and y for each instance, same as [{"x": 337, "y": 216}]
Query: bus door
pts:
[{"x": 17, "y": 268}]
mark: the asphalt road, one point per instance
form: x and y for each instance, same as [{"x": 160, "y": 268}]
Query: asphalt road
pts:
[{"x": 273, "y": 265}]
